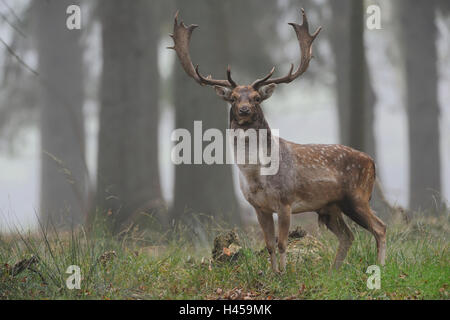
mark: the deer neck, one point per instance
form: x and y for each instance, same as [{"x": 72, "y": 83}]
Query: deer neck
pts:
[{"x": 259, "y": 123}]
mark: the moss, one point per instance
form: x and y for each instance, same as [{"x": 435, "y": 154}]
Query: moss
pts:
[{"x": 226, "y": 247}]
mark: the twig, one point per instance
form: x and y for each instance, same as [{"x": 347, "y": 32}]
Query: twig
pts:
[
  {"x": 22, "y": 265},
  {"x": 5, "y": 18},
  {"x": 11, "y": 10},
  {"x": 19, "y": 59},
  {"x": 31, "y": 268}
]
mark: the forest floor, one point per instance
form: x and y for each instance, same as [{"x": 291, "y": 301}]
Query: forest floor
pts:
[{"x": 138, "y": 267}]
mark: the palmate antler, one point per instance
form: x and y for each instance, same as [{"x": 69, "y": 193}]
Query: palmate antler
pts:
[
  {"x": 181, "y": 37},
  {"x": 305, "y": 41}
]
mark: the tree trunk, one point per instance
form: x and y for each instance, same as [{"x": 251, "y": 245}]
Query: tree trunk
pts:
[
  {"x": 418, "y": 34},
  {"x": 63, "y": 170},
  {"x": 355, "y": 94},
  {"x": 128, "y": 176},
  {"x": 357, "y": 69},
  {"x": 203, "y": 189},
  {"x": 340, "y": 41}
]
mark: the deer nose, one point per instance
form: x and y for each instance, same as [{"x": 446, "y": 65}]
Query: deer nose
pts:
[{"x": 244, "y": 110}]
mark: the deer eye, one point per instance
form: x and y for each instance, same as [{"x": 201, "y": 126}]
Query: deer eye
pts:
[{"x": 258, "y": 99}]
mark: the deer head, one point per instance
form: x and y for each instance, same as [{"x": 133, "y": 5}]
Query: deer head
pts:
[{"x": 245, "y": 100}]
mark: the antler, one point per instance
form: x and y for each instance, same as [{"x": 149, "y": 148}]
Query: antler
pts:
[
  {"x": 305, "y": 41},
  {"x": 181, "y": 37}
]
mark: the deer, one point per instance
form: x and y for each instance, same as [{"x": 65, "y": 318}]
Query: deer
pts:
[{"x": 332, "y": 180}]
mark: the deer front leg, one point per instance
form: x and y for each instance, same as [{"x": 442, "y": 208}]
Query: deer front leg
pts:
[
  {"x": 284, "y": 221},
  {"x": 265, "y": 220}
]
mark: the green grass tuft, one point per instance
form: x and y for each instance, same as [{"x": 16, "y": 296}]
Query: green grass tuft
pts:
[{"x": 417, "y": 267}]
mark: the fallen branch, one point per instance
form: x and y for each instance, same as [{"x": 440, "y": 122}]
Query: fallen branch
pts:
[{"x": 22, "y": 265}]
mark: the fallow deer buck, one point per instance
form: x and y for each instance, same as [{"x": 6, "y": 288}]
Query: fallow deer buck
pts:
[{"x": 326, "y": 179}]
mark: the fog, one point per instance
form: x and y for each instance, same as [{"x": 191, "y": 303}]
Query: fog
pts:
[{"x": 304, "y": 111}]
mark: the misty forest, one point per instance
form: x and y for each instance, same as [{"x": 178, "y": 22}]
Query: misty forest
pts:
[{"x": 90, "y": 97}]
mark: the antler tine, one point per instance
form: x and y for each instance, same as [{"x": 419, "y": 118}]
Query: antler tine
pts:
[
  {"x": 230, "y": 80},
  {"x": 259, "y": 82},
  {"x": 305, "y": 41},
  {"x": 181, "y": 37}
]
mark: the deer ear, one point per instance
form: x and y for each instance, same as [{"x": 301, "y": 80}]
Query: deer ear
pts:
[
  {"x": 267, "y": 91},
  {"x": 223, "y": 92}
]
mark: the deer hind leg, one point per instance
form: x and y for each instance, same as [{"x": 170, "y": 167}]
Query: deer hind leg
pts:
[
  {"x": 284, "y": 221},
  {"x": 360, "y": 212},
  {"x": 265, "y": 220},
  {"x": 332, "y": 217}
]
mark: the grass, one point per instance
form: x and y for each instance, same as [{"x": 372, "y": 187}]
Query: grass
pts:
[{"x": 417, "y": 266}]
